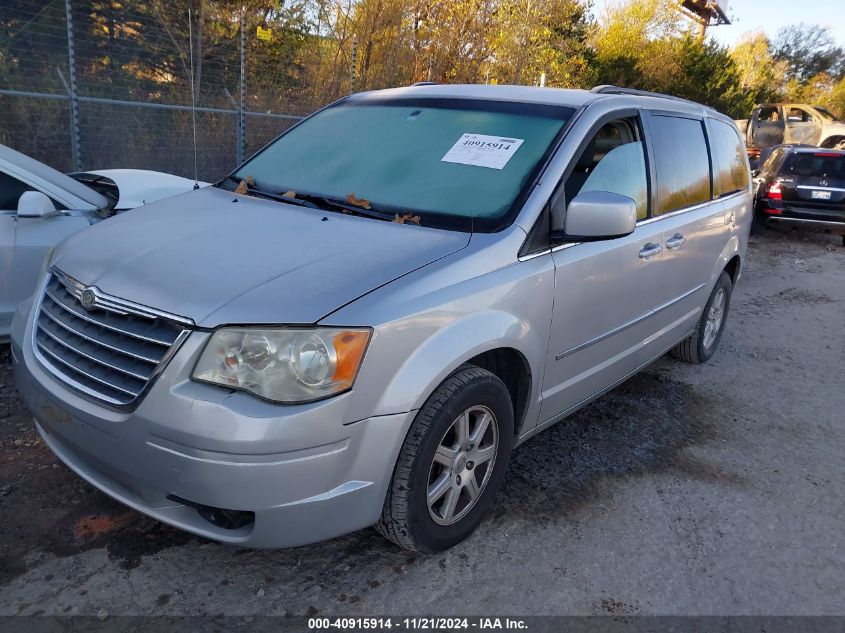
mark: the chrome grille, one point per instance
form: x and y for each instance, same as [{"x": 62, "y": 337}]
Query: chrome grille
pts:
[{"x": 111, "y": 350}]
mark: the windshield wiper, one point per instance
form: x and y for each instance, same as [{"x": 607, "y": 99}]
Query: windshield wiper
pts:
[
  {"x": 334, "y": 204},
  {"x": 315, "y": 201},
  {"x": 271, "y": 195}
]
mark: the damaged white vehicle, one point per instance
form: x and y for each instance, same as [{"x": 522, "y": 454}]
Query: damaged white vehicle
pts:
[{"x": 39, "y": 207}]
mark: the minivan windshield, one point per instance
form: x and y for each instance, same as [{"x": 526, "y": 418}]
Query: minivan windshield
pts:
[{"x": 456, "y": 163}]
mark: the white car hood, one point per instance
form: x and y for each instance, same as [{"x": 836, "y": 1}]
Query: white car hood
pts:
[{"x": 142, "y": 186}]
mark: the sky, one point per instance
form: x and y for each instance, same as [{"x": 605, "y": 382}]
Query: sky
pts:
[{"x": 770, "y": 15}]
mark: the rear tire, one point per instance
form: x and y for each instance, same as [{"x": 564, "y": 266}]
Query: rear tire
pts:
[
  {"x": 432, "y": 503},
  {"x": 699, "y": 346}
]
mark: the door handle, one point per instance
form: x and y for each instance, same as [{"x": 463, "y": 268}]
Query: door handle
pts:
[
  {"x": 649, "y": 250},
  {"x": 676, "y": 241}
]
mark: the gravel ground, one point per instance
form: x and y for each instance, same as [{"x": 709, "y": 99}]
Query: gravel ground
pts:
[{"x": 713, "y": 489}]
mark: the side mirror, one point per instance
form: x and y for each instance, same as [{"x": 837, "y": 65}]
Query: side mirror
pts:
[
  {"x": 596, "y": 215},
  {"x": 34, "y": 204}
]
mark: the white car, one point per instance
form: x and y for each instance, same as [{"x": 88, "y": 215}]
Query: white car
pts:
[{"x": 40, "y": 206}]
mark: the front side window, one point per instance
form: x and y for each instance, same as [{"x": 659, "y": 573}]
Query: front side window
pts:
[
  {"x": 768, "y": 114},
  {"x": 729, "y": 169},
  {"x": 11, "y": 189},
  {"x": 613, "y": 161},
  {"x": 456, "y": 162},
  {"x": 682, "y": 162}
]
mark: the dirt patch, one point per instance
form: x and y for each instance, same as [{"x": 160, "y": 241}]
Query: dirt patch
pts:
[
  {"x": 642, "y": 426},
  {"x": 765, "y": 305},
  {"x": 45, "y": 508}
]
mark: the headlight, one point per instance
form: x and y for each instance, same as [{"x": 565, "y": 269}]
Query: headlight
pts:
[{"x": 283, "y": 364}]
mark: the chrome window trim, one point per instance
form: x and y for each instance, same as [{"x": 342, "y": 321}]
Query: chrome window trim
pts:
[
  {"x": 700, "y": 205},
  {"x": 677, "y": 212},
  {"x": 99, "y": 398},
  {"x": 628, "y": 324}
]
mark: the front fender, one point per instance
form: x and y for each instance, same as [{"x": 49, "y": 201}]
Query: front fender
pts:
[
  {"x": 426, "y": 325},
  {"x": 451, "y": 346}
]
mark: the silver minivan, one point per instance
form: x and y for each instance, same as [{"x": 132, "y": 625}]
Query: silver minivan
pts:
[{"x": 358, "y": 325}]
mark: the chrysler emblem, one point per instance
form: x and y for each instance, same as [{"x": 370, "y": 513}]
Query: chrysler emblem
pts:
[{"x": 88, "y": 298}]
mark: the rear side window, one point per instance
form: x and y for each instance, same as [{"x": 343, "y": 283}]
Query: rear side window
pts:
[
  {"x": 729, "y": 171},
  {"x": 682, "y": 162}
]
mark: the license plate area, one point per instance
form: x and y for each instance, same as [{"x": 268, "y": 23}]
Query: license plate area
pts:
[{"x": 820, "y": 195}]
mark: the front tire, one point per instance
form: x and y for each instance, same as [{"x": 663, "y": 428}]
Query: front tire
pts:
[
  {"x": 699, "y": 346},
  {"x": 452, "y": 463}
]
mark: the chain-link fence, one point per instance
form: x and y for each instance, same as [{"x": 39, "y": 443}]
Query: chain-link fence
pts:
[{"x": 88, "y": 84}]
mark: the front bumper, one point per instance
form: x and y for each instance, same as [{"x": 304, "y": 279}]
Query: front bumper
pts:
[{"x": 305, "y": 474}]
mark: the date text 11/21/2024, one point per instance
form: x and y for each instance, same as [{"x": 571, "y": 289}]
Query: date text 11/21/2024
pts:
[{"x": 417, "y": 624}]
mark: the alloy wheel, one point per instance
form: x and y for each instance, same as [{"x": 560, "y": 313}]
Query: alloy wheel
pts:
[
  {"x": 462, "y": 465},
  {"x": 714, "y": 318}
]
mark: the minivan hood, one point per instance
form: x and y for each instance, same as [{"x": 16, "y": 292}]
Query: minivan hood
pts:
[{"x": 217, "y": 258}]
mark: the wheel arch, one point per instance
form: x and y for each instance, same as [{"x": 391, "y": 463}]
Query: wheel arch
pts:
[
  {"x": 512, "y": 368},
  {"x": 729, "y": 260},
  {"x": 491, "y": 339},
  {"x": 733, "y": 268},
  {"x": 832, "y": 141}
]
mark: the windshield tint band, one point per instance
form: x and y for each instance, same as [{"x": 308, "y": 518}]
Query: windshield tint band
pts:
[{"x": 526, "y": 108}]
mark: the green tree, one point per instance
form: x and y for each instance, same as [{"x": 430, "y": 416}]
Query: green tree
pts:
[
  {"x": 760, "y": 73},
  {"x": 808, "y": 50}
]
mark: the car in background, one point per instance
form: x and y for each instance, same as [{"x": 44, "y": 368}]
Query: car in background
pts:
[
  {"x": 791, "y": 123},
  {"x": 802, "y": 186},
  {"x": 40, "y": 206}
]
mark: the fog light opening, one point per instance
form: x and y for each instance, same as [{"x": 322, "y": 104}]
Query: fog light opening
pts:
[{"x": 220, "y": 517}]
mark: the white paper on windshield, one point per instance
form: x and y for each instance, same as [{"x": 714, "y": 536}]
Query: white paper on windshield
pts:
[{"x": 482, "y": 150}]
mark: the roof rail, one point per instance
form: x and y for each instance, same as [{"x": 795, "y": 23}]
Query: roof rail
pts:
[
  {"x": 616, "y": 90},
  {"x": 424, "y": 83}
]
